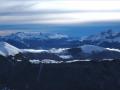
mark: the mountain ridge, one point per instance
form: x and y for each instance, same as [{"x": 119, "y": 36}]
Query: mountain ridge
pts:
[
  {"x": 84, "y": 52},
  {"x": 107, "y": 39}
]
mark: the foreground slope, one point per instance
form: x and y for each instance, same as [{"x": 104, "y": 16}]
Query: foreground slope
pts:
[{"x": 104, "y": 75}]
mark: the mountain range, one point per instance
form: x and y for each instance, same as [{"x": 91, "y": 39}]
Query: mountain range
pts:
[
  {"x": 44, "y": 61},
  {"x": 34, "y": 45},
  {"x": 81, "y": 53},
  {"x": 25, "y": 40}
]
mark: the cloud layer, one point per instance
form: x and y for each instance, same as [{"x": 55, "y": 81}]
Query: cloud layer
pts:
[{"x": 58, "y": 11}]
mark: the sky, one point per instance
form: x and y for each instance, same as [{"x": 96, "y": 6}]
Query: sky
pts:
[{"x": 65, "y": 16}]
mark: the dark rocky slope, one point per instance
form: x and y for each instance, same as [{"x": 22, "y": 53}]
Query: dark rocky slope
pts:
[{"x": 92, "y": 75}]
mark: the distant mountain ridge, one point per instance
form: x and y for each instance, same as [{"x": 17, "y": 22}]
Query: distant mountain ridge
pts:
[
  {"x": 108, "y": 39},
  {"x": 44, "y": 40},
  {"x": 38, "y": 40}
]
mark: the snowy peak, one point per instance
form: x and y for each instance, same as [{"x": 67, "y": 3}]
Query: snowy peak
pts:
[{"x": 7, "y": 49}]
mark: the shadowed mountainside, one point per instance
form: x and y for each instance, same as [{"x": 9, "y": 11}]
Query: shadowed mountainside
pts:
[{"x": 73, "y": 76}]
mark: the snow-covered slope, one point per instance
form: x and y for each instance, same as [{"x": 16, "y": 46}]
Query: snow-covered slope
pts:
[
  {"x": 107, "y": 39},
  {"x": 7, "y": 49},
  {"x": 58, "y": 51},
  {"x": 97, "y": 49},
  {"x": 92, "y": 48}
]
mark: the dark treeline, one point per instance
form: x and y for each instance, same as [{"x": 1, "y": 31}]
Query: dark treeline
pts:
[{"x": 74, "y": 76}]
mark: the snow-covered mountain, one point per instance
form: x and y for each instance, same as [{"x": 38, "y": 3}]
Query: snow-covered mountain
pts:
[
  {"x": 7, "y": 49},
  {"x": 35, "y": 35},
  {"x": 105, "y": 45},
  {"x": 82, "y": 52},
  {"x": 40, "y": 40},
  {"x": 108, "y": 39}
]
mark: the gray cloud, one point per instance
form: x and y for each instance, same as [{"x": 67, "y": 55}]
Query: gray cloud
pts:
[{"x": 21, "y": 11}]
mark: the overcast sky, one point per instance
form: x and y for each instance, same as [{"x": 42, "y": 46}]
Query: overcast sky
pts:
[{"x": 58, "y": 12}]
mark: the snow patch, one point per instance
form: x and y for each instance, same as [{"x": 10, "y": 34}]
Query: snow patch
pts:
[
  {"x": 113, "y": 49},
  {"x": 34, "y": 51},
  {"x": 71, "y": 61},
  {"x": 7, "y": 49},
  {"x": 19, "y": 60},
  {"x": 65, "y": 56},
  {"x": 57, "y": 51},
  {"x": 46, "y": 61},
  {"x": 107, "y": 59},
  {"x": 58, "y": 36},
  {"x": 34, "y": 61},
  {"x": 91, "y": 48}
]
